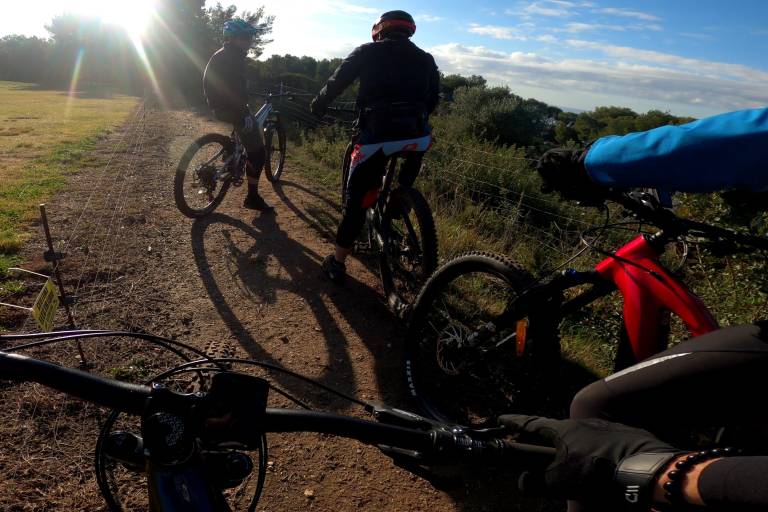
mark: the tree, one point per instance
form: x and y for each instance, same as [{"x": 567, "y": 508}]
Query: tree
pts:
[
  {"x": 24, "y": 59},
  {"x": 449, "y": 84},
  {"x": 217, "y": 15}
]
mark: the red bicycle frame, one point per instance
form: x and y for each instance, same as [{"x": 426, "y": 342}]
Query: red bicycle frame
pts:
[{"x": 650, "y": 292}]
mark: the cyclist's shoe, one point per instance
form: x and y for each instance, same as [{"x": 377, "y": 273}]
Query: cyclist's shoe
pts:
[
  {"x": 334, "y": 269},
  {"x": 256, "y": 202}
]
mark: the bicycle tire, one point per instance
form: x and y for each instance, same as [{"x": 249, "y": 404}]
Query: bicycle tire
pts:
[
  {"x": 544, "y": 334},
  {"x": 406, "y": 200},
  {"x": 183, "y": 167},
  {"x": 274, "y": 169}
]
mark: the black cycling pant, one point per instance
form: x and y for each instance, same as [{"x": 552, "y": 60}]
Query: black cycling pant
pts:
[
  {"x": 256, "y": 154},
  {"x": 708, "y": 382},
  {"x": 715, "y": 380},
  {"x": 362, "y": 190}
]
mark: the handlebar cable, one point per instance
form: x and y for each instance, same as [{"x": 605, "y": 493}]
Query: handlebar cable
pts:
[
  {"x": 599, "y": 229},
  {"x": 63, "y": 336},
  {"x": 169, "y": 345},
  {"x": 616, "y": 257},
  {"x": 269, "y": 366}
]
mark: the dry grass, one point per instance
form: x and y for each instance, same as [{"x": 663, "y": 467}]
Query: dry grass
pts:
[{"x": 43, "y": 135}]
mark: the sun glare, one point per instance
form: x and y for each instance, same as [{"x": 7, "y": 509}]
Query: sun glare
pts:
[{"x": 132, "y": 15}]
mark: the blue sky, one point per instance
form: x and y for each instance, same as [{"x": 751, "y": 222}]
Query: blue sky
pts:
[{"x": 688, "y": 57}]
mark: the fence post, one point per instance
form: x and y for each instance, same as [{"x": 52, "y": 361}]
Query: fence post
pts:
[{"x": 53, "y": 257}]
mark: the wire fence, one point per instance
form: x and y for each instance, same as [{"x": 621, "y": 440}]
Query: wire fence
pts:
[
  {"x": 504, "y": 212},
  {"x": 459, "y": 175}
]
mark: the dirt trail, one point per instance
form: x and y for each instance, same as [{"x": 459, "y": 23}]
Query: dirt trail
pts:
[{"x": 245, "y": 284}]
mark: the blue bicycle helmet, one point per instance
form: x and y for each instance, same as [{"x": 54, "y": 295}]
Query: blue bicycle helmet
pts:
[{"x": 238, "y": 27}]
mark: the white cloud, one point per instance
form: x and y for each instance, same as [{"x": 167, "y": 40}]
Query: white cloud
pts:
[
  {"x": 550, "y": 8},
  {"x": 302, "y": 26},
  {"x": 576, "y": 27},
  {"x": 353, "y": 8},
  {"x": 554, "y": 8},
  {"x": 627, "y": 13},
  {"x": 428, "y": 18},
  {"x": 496, "y": 32},
  {"x": 652, "y": 78},
  {"x": 589, "y": 27}
]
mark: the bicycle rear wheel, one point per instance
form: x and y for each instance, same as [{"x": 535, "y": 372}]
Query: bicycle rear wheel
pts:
[
  {"x": 459, "y": 369},
  {"x": 197, "y": 188},
  {"x": 275, "y": 147},
  {"x": 409, "y": 253}
]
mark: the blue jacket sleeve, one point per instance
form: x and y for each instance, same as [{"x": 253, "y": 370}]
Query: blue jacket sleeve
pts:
[{"x": 726, "y": 151}]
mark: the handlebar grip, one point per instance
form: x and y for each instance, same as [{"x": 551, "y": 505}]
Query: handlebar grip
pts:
[
  {"x": 528, "y": 456},
  {"x": 122, "y": 396}
]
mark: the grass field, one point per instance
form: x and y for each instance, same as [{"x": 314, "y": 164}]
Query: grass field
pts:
[{"x": 44, "y": 134}]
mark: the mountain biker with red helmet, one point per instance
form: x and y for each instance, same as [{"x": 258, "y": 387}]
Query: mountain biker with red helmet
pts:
[
  {"x": 226, "y": 91},
  {"x": 399, "y": 87}
]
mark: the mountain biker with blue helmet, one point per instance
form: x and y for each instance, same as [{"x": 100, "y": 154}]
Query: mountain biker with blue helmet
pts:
[
  {"x": 226, "y": 91},
  {"x": 708, "y": 381},
  {"x": 399, "y": 88}
]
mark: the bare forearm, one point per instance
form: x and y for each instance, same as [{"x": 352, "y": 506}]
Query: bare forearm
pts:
[{"x": 733, "y": 484}]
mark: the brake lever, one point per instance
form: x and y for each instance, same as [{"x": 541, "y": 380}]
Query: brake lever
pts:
[{"x": 399, "y": 417}]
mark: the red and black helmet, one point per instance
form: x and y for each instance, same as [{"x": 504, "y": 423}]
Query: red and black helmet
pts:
[{"x": 393, "y": 21}]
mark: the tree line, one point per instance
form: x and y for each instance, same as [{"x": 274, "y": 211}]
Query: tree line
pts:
[
  {"x": 184, "y": 33},
  {"x": 168, "y": 60}
]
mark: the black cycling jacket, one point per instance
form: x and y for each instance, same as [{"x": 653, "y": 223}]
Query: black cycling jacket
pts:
[
  {"x": 225, "y": 85},
  {"x": 391, "y": 70}
]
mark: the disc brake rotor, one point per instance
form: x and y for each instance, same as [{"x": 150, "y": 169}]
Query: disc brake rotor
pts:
[
  {"x": 205, "y": 176},
  {"x": 450, "y": 343}
]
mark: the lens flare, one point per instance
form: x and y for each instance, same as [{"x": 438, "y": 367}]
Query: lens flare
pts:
[{"x": 73, "y": 81}]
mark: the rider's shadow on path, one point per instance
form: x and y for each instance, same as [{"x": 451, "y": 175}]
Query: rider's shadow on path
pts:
[
  {"x": 296, "y": 269},
  {"x": 481, "y": 489},
  {"x": 318, "y": 218}
]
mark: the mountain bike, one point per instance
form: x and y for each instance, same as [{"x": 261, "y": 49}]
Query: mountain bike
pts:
[
  {"x": 193, "y": 449},
  {"x": 214, "y": 162},
  {"x": 399, "y": 229},
  {"x": 484, "y": 334}
]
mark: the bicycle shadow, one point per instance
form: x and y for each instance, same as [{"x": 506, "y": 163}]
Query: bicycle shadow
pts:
[
  {"x": 354, "y": 305},
  {"x": 319, "y": 219}
]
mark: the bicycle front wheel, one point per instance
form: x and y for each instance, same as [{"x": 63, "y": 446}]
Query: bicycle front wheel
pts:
[
  {"x": 464, "y": 363},
  {"x": 197, "y": 186},
  {"x": 275, "y": 146},
  {"x": 409, "y": 252}
]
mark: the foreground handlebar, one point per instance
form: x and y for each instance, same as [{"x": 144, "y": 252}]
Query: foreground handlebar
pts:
[
  {"x": 434, "y": 445},
  {"x": 129, "y": 398}
]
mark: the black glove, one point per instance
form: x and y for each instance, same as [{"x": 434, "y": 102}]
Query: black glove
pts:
[
  {"x": 588, "y": 452},
  {"x": 562, "y": 169},
  {"x": 318, "y": 107}
]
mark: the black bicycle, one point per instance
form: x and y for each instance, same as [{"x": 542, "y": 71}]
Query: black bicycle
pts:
[
  {"x": 400, "y": 229},
  {"x": 215, "y": 162},
  {"x": 192, "y": 449},
  {"x": 484, "y": 334}
]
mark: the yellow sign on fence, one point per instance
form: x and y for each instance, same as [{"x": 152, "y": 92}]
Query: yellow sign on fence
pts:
[{"x": 46, "y": 305}]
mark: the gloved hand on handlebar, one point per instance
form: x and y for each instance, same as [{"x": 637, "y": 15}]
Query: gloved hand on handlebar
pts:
[
  {"x": 588, "y": 453},
  {"x": 563, "y": 170},
  {"x": 318, "y": 107}
]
